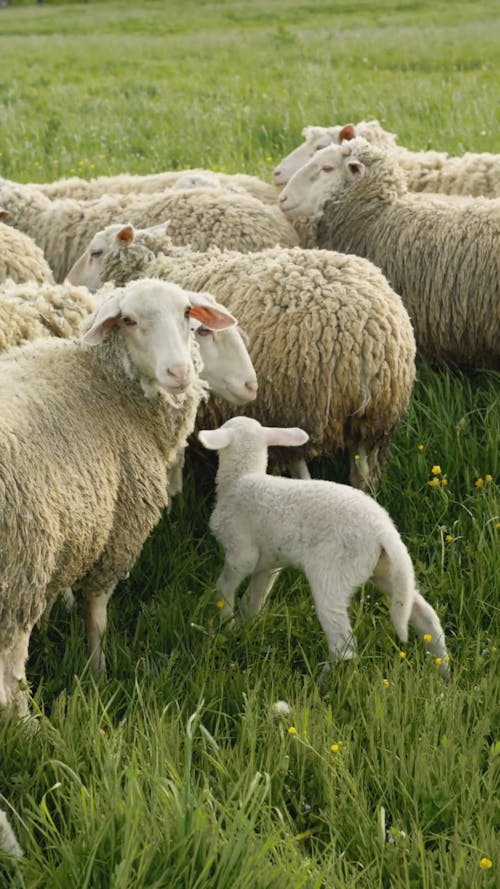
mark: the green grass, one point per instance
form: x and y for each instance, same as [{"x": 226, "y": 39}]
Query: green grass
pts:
[{"x": 175, "y": 773}]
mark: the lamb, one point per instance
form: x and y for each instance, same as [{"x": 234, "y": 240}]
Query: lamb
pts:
[
  {"x": 338, "y": 536},
  {"x": 88, "y": 433},
  {"x": 199, "y": 216},
  {"x": 31, "y": 311},
  {"x": 20, "y": 258},
  {"x": 472, "y": 174},
  {"x": 127, "y": 183},
  {"x": 331, "y": 342},
  {"x": 441, "y": 254}
]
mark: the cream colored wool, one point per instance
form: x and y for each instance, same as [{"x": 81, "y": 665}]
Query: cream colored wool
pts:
[
  {"x": 442, "y": 255},
  {"x": 330, "y": 341},
  {"x": 30, "y": 311},
  {"x": 199, "y": 217},
  {"x": 20, "y": 258},
  {"x": 124, "y": 183},
  {"x": 84, "y": 462}
]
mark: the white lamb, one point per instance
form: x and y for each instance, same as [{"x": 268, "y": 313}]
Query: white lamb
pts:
[
  {"x": 338, "y": 535},
  {"x": 472, "y": 174}
]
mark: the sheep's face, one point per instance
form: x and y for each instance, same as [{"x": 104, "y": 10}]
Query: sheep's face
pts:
[
  {"x": 227, "y": 366},
  {"x": 320, "y": 179},
  {"x": 316, "y": 138},
  {"x": 88, "y": 269}
]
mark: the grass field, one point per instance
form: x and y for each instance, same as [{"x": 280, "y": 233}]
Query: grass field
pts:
[{"x": 175, "y": 773}]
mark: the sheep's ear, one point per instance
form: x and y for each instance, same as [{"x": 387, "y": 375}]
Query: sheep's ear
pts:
[
  {"x": 126, "y": 234},
  {"x": 4, "y": 214},
  {"x": 355, "y": 168},
  {"x": 101, "y": 321},
  {"x": 210, "y": 313},
  {"x": 215, "y": 439},
  {"x": 160, "y": 229},
  {"x": 347, "y": 133},
  {"x": 291, "y": 437}
]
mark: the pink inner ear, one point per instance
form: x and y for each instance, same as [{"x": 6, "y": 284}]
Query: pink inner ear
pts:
[
  {"x": 126, "y": 234},
  {"x": 347, "y": 133},
  {"x": 212, "y": 318}
]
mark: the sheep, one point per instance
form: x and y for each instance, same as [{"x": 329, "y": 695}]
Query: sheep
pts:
[
  {"x": 331, "y": 342},
  {"x": 31, "y": 311},
  {"x": 199, "y": 216},
  {"x": 8, "y": 842},
  {"x": 338, "y": 536},
  {"x": 471, "y": 174},
  {"x": 89, "y": 430},
  {"x": 441, "y": 254},
  {"x": 20, "y": 258},
  {"x": 127, "y": 183}
]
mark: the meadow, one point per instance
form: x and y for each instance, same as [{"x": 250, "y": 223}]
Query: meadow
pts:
[{"x": 176, "y": 771}]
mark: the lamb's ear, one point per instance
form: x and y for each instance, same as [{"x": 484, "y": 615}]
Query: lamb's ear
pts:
[
  {"x": 210, "y": 313},
  {"x": 215, "y": 439},
  {"x": 347, "y": 133},
  {"x": 126, "y": 234},
  {"x": 107, "y": 313},
  {"x": 355, "y": 168},
  {"x": 291, "y": 437}
]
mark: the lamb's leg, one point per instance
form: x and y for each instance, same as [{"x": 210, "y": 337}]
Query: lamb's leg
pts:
[
  {"x": 96, "y": 618},
  {"x": 298, "y": 469},
  {"x": 331, "y": 601},
  {"x": 256, "y": 593},
  {"x": 229, "y": 580}
]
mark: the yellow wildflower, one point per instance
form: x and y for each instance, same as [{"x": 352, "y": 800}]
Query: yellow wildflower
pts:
[
  {"x": 438, "y": 661},
  {"x": 497, "y": 525},
  {"x": 220, "y": 603},
  {"x": 479, "y": 483},
  {"x": 292, "y": 730},
  {"x": 444, "y": 482},
  {"x": 336, "y": 747},
  {"x": 356, "y": 458},
  {"x": 427, "y": 637},
  {"x": 436, "y": 470},
  {"x": 386, "y": 683},
  {"x": 485, "y": 863},
  {"x": 448, "y": 538},
  {"x": 402, "y": 655},
  {"x": 488, "y": 477},
  {"x": 420, "y": 447},
  {"x": 433, "y": 483}
]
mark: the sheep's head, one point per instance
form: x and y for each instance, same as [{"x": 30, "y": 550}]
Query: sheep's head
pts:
[
  {"x": 321, "y": 178},
  {"x": 117, "y": 241}
]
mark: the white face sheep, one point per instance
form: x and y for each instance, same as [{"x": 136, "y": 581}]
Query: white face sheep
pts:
[
  {"x": 339, "y": 536},
  {"x": 441, "y": 253},
  {"x": 316, "y": 138},
  {"x": 88, "y": 433}
]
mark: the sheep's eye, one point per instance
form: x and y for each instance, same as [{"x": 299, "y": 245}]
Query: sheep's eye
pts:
[
  {"x": 320, "y": 147},
  {"x": 129, "y": 321},
  {"x": 203, "y": 331},
  {"x": 95, "y": 253},
  {"x": 187, "y": 313},
  {"x": 327, "y": 168}
]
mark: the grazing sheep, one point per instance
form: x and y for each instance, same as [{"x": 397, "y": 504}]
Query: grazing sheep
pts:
[
  {"x": 471, "y": 174},
  {"x": 127, "y": 183},
  {"x": 88, "y": 433},
  {"x": 8, "y": 842},
  {"x": 31, "y": 311},
  {"x": 340, "y": 538},
  {"x": 20, "y": 258},
  {"x": 331, "y": 342},
  {"x": 201, "y": 217},
  {"x": 441, "y": 254}
]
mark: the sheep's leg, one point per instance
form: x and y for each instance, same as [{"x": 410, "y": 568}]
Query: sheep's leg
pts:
[
  {"x": 230, "y": 579},
  {"x": 331, "y": 601},
  {"x": 96, "y": 619},
  {"x": 425, "y": 622},
  {"x": 359, "y": 469},
  {"x": 258, "y": 590},
  {"x": 298, "y": 469},
  {"x": 15, "y": 672}
]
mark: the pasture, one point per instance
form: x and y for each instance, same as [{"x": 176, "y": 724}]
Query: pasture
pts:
[{"x": 176, "y": 772}]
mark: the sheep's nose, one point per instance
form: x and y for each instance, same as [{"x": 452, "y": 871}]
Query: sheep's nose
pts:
[
  {"x": 282, "y": 199},
  {"x": 181, "y": 374},
  {"x": 252, "y": 386},
  {"x": 277, "y": 173}
]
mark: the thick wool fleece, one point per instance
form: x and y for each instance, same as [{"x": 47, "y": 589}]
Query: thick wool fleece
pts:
[
  {"x": 125, "y": 183},
  {"x": 20, "y": 258},
  {"x": 84, "y": 457},
  {"x": 30, "y": 311},
  {"x": 331, "y": 342},
  {"x": 201, "y": 217},
  {"x": 442, "y": 254}
]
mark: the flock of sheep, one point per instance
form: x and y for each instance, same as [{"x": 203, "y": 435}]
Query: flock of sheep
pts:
[{"x": 120, "y": 310}]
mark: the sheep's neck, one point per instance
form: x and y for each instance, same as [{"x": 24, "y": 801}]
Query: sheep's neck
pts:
[{"x": 237, "y": 464}]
